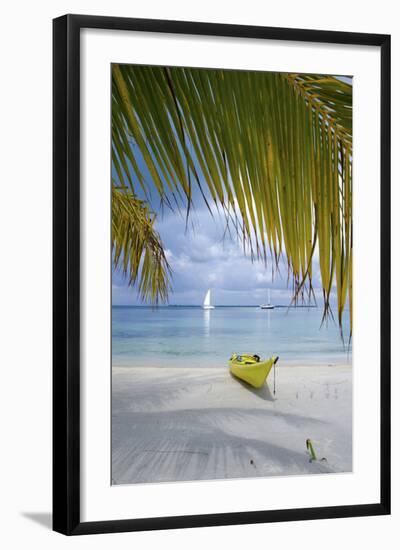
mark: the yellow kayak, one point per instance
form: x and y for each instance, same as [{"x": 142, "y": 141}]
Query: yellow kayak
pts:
[{"x": 250, "y": 369}]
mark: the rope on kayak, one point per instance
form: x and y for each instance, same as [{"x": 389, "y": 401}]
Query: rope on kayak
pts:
[{"x": 275, "y": 362}]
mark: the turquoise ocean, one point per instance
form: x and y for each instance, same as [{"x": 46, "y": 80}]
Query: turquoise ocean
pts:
[{"x": 185, "y": 336}]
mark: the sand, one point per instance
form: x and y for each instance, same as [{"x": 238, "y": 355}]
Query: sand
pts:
[{"x": 178, "y": 424}]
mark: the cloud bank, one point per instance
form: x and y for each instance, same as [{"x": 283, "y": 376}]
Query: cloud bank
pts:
[{"x": 202, "y": 257}]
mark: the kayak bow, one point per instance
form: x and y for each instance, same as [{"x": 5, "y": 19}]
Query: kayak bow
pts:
[{"x": 250, "y": 369}]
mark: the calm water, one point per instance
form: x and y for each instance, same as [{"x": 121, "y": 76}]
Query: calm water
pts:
[{"x": 190, "y": 336}]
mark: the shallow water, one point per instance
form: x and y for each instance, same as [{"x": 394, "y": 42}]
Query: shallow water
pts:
[{"x": 190, "y": 336}]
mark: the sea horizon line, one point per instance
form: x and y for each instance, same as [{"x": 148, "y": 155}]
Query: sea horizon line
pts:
[{"x": 199, "y": 306}]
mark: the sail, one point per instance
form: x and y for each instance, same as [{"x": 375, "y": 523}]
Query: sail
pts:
[
  {"x": 268, "y": 305},
  {"x": 207, "y": 299}
]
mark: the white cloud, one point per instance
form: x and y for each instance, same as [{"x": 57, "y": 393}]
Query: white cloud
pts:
[
  {"x": 200, "y": 258},
  {"x": 263, "y": 277}
]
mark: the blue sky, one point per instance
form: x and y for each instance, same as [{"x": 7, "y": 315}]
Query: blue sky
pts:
[{"x": 201, "y": 258}]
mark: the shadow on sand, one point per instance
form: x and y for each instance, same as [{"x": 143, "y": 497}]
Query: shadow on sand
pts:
[{"x": 263, "y": 393}]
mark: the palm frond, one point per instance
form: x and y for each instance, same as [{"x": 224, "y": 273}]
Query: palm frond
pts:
[
  {"x": 137, "y": 247},
  {"x": 272, "y": 150}
]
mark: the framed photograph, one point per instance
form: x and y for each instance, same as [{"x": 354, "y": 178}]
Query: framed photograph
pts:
[{"x": 221, "y": 274}]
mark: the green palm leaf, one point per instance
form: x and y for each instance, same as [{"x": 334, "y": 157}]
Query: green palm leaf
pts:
[
  {"x": 137, "y": 247},
  {"x": 273, "y": 151}
]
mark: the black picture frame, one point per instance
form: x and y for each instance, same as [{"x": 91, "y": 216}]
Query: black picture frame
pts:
[{"x": 66, "y": 273}]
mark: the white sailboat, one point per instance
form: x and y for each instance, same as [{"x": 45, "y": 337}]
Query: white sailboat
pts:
[
  {"x": 207, "y": 300},
  {"x": 269, "y": 305}
]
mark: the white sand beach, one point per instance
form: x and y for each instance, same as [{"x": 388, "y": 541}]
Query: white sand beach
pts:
[{"x": 177, "y": 424}]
